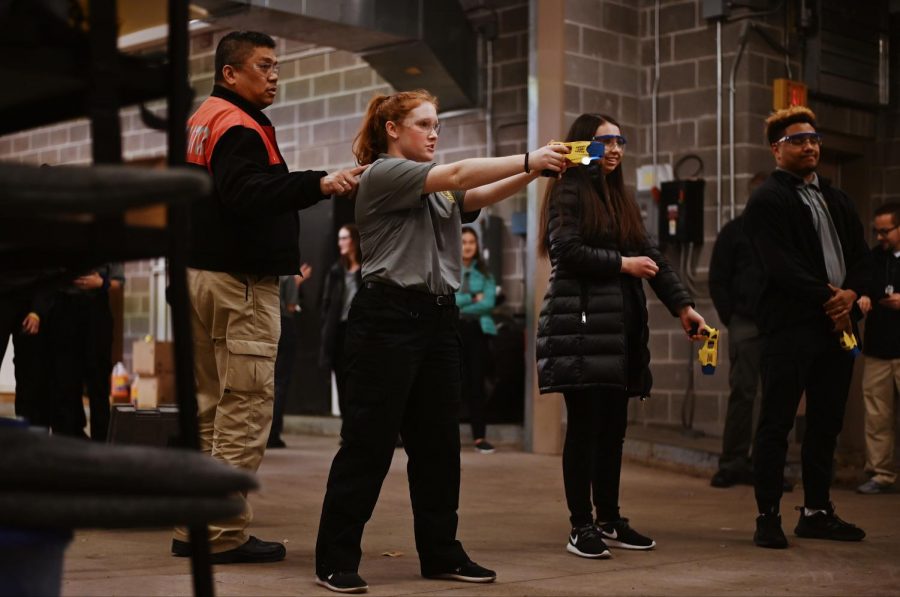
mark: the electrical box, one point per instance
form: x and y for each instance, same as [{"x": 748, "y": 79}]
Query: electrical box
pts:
[
  {"x": 716, "y": 9},
  {"x": 787, "y": 93},
  {"x": 649, "y": 214},
  {"x": 681, "y": 212}
]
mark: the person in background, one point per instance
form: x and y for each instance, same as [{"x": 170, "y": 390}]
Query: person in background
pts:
[
  {"x": 343, "y": 282},
  {"x": 402, "y": 345},
  {"x": 288, "y": 291},
  {"x": 809, "y": 240},
  {"x": 80, "y": 336},
  {"x": 881, "y": 364},
  {"x": 476, "y": 299},
  {"x": 735, "y": 281},
  {"x": 21, "y": 314},
  {"x": 592, "y": 336}
]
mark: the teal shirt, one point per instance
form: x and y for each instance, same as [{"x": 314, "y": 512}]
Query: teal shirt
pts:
[{"x": 474, "y": 282}]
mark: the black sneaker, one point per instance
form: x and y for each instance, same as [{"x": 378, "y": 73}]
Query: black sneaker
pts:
[
  {"x": 617, "y": 533},
  {"x": 484, "y": 447},
  {"x": 468, "y": 572},
  {"x": 825, "y": 524},
  {"x": 768, "y": 531},
  {"x": 253, "y": 551},
  {"x": 587, "y": 542},
  {"x": 343, "y": 582}
]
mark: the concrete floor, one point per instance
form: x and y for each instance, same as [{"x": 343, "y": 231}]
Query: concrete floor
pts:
[{"x": 513, "y": 519}]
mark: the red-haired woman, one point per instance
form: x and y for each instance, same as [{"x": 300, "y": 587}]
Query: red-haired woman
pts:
[
  {"x": 402, "y": 344},
  {"x": 592, "y": 331}
]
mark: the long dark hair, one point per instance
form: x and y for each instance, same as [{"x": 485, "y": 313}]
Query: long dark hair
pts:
[
  {"x": 616, "y": 215},
  {"x": 372, "y": 136},
  {"x": 480, "y": 263},
  {"x": 354, "y": 243}
]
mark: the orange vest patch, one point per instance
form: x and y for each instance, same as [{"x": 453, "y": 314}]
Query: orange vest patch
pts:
[{"x": 214, "y": 118}]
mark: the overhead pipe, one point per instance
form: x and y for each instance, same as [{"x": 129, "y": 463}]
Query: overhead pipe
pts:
[
  {"x": 732, "y": 90},
  {"x": 654, "y": 95},
  {"x": 718, "y": 125}
]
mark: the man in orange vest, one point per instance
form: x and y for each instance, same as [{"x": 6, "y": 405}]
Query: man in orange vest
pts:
[{"x": 244, "y": 236}]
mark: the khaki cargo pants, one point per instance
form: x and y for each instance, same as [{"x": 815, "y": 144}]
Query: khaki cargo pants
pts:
[
  {"x": 881, "y": 379},
  {"x": 235, "y": 323}
]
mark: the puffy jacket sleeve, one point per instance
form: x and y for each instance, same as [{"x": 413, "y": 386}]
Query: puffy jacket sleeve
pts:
[
  {"x": 666, "y": 284},
  {"x": 565, "y": 242}
]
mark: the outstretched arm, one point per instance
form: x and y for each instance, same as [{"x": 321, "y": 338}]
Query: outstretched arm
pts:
[{"x": 477, "y": 172}]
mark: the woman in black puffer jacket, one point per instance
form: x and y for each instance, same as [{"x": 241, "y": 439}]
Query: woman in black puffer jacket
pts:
[{"x": 592, "y": 333}]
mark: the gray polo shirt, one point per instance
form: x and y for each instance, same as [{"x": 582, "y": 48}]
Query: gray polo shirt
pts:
[
  {"x": 409, "y": 239},
  {"x": 811, "y": 194}
]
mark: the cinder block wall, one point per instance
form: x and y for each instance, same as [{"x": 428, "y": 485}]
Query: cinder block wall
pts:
[{"x": 609, "y": 68}]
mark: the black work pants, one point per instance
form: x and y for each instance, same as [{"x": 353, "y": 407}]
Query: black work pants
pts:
[
  {"x": 284, "y": 369},
  {"x": 403, "y": 376},
  {"x": 744, "y": 345},
  {"x": 592, "y": 453},
  {"x": 338, "y": 365},
  {"x": 475, "y": 354},
  {"x": 793, "y": 361},
  {"x": 80, "y": 335},
  {"x": 32, "y": 398}
]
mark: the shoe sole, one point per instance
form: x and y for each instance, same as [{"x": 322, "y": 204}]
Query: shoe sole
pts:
[
  {"x": 480, "y": 451},
  {"x": 603, "y": 555},
  {"x": 828, "y": 538},
  {"x": 331, "y": 587},
  {"x": 613, "y": 543},
  {"x": 460, "y": 577}
]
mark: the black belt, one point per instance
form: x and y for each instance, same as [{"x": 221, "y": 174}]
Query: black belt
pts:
[{"x": 440, "y": 300}]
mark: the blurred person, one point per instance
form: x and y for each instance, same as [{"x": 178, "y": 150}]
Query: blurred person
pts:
[
  {"x": 881, "y": 364},
  {"x": 476, "y": 299},
  {"x": 79, "y": 340},
  {"x": 343, "y": 282},
  {"x": 402, "y": 344},
  {"x": 244, "y": 236},
  {"x": 21, "y": 314},
  {"x": 809, "y": 241},
  {"x": 735, "y": 281},
  {"x": 592, "y": 335},
  {"x": 289, "y": 299}
]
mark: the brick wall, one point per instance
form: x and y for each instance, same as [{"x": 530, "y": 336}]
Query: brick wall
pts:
[{"x": 609, "y": 68}]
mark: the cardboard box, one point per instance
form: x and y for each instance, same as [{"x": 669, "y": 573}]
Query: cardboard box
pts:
[
  {"x": 153, "y": 390},
  {"x": 153, "y": 358}
]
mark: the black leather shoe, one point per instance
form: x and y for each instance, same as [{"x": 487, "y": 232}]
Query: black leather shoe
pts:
[
  {"x": 253, "y": 551},
  {"x": 768, "y": 532},
  {"x": 275, "y": 443},
  {"x": 724, "y": 478},
  {"x": 827, "y": 525}
]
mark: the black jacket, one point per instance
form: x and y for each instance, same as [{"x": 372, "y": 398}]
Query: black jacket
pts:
[
  {"x": 883, "y": 324},
  {"x": 250, "y": 223},
  {"x": 330, "y": 311},
  {"x": 735, "y": 278},
  {"x": 592, "y": 331},
  {"x": 780, "y": 228}
]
